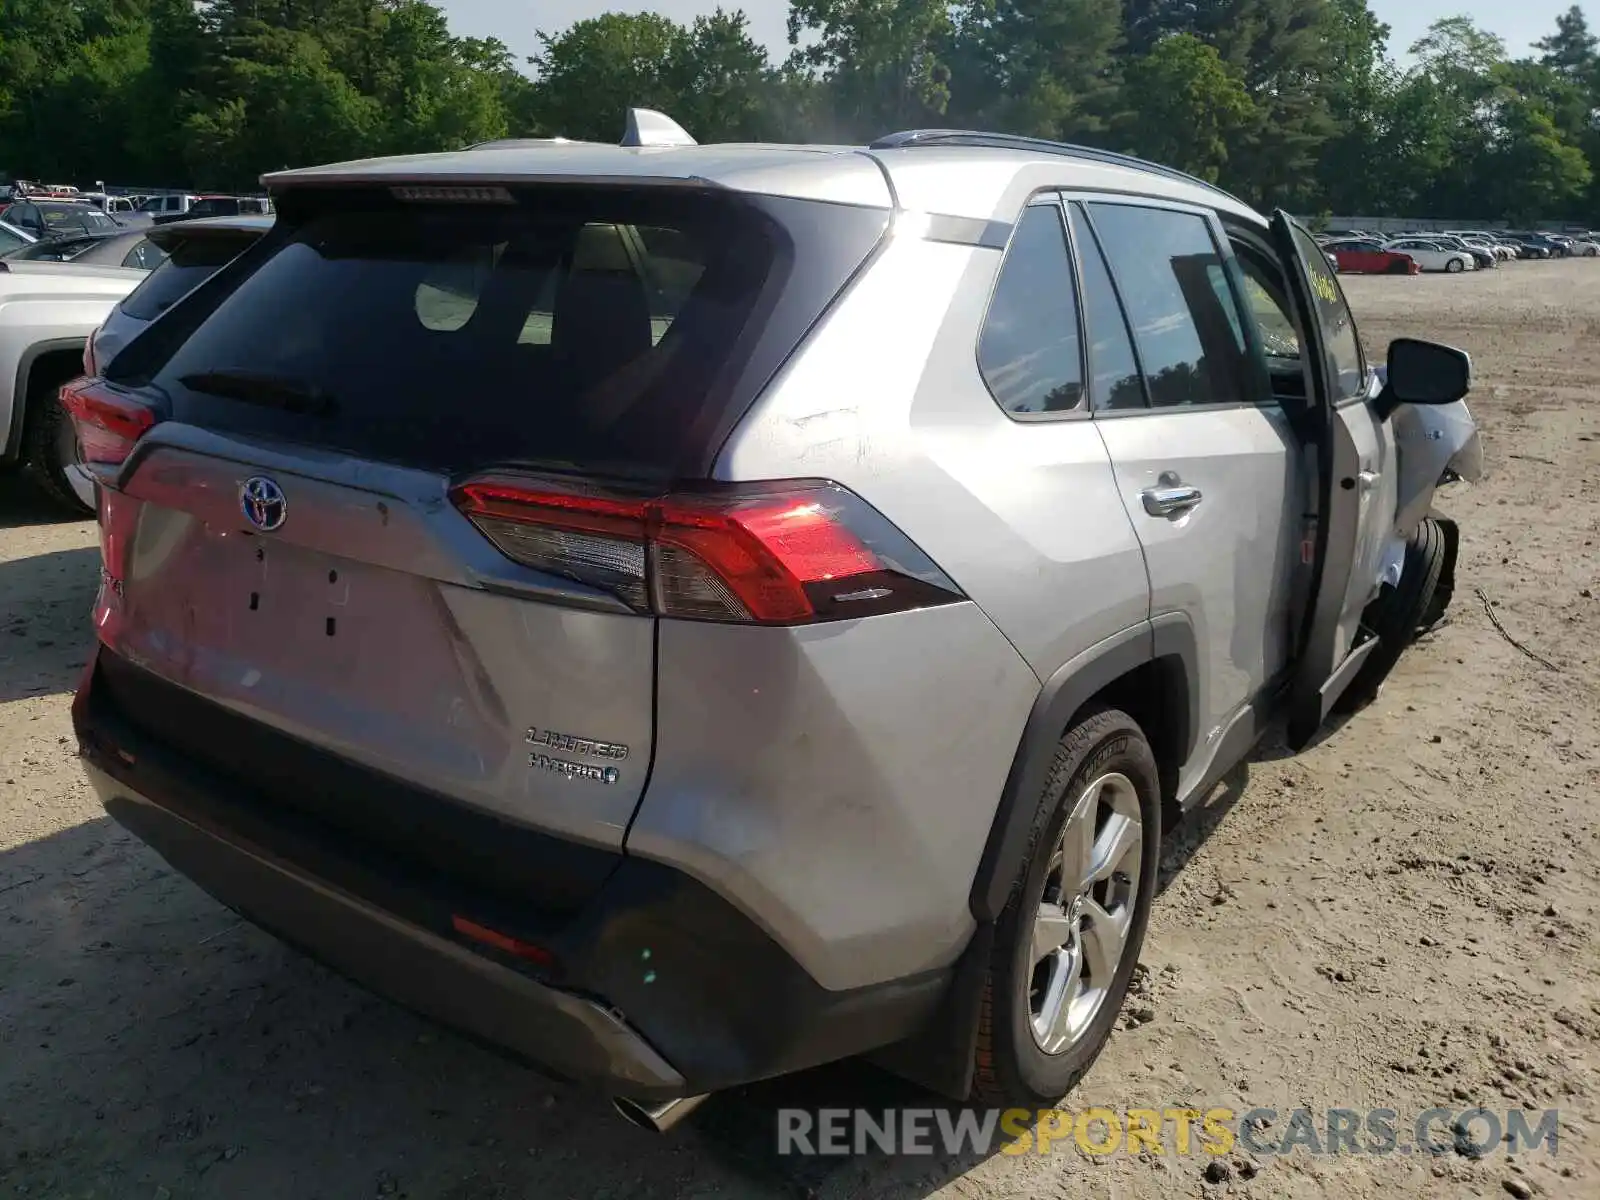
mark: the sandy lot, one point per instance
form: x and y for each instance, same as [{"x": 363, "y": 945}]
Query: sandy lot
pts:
[{"x": 1401, "y": 918}]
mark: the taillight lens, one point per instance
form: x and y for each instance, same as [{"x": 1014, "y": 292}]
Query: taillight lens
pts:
[
  {"x": 779, "y": 554},
  {"x": 108, "y": 423}
]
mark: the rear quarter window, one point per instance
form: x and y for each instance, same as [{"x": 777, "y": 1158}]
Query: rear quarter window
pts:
[{"x": 190, "y": 264}]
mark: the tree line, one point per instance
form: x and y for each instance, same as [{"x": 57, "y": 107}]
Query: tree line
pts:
[{"x": 1299, "y": 103}]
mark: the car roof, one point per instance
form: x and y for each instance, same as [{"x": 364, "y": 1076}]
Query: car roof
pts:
[{"x": 947, "y": 172}]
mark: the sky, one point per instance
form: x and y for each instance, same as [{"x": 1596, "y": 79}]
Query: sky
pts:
[{"x": 1521, "y": 22}]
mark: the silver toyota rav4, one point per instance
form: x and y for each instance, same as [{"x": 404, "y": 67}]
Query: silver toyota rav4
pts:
[{"x": 685, "y": 614}]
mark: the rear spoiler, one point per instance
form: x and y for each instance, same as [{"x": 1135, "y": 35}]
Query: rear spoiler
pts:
[{"x": 174, "y": 234}]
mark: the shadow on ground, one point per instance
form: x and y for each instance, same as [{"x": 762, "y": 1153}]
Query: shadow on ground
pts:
[{"x": 22, "y": 504}]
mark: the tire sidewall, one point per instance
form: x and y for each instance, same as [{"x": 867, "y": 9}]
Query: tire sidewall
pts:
[{"x": 1120, "y": 747}]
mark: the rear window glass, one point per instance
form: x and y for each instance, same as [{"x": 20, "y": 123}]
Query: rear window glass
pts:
[
  {"x": 575, "y": 329},
  {"x": 190, "y": 264}
]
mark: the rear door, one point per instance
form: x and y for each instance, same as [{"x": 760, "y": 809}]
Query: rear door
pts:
[
  {"x": 1356, "y": 487},
  {"x": 295, "y": 544},
  {"x": 1206, "y": 460}
]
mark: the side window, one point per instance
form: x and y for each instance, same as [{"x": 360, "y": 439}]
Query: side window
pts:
[
  {"x": 1114, "y": 380},
  {"x": 1189, "y": 332},
  {"x": 1029, "y": 352},
  {"x": 1346, "y": 368},
  {"x": 146, "y": 256},
  {"x": 1263, "y": 294}
]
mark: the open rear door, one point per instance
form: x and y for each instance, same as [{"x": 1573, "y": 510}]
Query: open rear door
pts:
[{"x": 1354, "y": 482}]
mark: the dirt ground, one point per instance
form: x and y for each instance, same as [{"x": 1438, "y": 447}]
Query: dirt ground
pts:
[{"x": 1401, "y": 918}]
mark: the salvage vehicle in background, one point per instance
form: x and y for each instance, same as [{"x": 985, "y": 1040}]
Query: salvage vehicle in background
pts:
[
  {"x": 47, "y": 219},
  {"x": 1370, "y": 258},
  {"x": 696, "y": 572},
  {"x": 1433, "y": 256}
]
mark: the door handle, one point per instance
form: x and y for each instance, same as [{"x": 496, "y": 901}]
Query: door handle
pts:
[{"x": 1168, "y": 500}]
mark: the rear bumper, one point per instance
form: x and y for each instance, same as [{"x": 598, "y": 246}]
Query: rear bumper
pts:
[
  {"x": 657, "y": 987},
  {"x": 569, "y": 1034}
]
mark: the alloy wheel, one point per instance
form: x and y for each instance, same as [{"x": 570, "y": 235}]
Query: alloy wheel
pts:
[{"x": 1080, "y": 933}]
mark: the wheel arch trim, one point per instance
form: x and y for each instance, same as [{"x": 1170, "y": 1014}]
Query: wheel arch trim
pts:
[
  {"x": 12, "y": 450},
  {"x": 1068, "y": 689}
]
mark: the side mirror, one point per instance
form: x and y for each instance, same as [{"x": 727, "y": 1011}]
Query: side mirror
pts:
[{"x": 1424, "y": 373}]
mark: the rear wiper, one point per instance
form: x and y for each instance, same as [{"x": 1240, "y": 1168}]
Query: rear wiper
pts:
[{"x": 255, "y": 387}]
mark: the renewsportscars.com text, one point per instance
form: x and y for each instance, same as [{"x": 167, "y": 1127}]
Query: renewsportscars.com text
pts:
[{"x": 1478, "y": 1132}]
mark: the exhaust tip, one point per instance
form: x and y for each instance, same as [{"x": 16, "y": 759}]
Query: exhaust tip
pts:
[{"x": 656, "y": 1117}]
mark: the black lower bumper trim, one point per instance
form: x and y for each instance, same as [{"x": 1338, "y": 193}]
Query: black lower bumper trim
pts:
[{"x": 707, "y": 997}]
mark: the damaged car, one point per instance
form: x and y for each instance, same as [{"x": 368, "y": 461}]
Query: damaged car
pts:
[{"x": 825, "y": 575}]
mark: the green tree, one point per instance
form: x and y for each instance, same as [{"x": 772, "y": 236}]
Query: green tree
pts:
[
  {"x": 589, "y": 75},
  {"x": 882, "y": 62},
  {"x": 723, "y": 85},
  {"x": 1193, "y": 106},
  {"x": 1571, "y": 49},
  {"x": 1040, "y": 67}
]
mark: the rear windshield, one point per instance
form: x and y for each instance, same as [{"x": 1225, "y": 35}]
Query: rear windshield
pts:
[
  {"x": 573, "y": 327},
  {"x": 191, "y": 263}
]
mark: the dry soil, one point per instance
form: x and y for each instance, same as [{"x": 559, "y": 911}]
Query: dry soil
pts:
[{"x": 1401, "y": 918}]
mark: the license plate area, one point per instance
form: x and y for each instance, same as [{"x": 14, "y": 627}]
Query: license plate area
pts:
[{"x": 301, "y": 609}]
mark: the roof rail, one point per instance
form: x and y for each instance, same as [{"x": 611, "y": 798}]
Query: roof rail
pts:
[{"x": 910, "y": 138}]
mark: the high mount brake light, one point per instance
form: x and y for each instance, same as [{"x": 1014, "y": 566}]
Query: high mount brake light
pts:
[
  {"x": 108, "y": 424},
  {"x": 786, "y": 554}
]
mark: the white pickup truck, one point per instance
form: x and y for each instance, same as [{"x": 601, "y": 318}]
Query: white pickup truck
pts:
[{"x": 47, "y": 312}]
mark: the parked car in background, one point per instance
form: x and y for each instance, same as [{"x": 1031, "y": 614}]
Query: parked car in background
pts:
[
  {"x": 1551, "y": 247},
  {"x": 47, "y": 219},
  {"x": 191, "y": 252},
  {"x": 1482, "y": 256},
  {"x": 130, "y": 248},
  {"x": 1582, "y": 247},
  {"x": 1502, "y": 251},
  {"x": 1433, "y": 256},
  {"x": 116, "y": 206},
  {"x": 47, "y": 312},
  {"x": 12, "y": 238},
  {"x": 164, "y": 206},
  {"x": 1369, "y": 258},
  {"x": 220, "y": 206}
]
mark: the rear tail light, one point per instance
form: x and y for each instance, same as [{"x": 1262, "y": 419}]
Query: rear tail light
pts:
[
  {"x": 778, "y": 554},
  {"x": 108, "y": 423}
]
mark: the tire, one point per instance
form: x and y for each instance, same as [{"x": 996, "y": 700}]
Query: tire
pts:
[
  {"x": 50, "y": 450},
  {"x": 1396, "y": 614},
  {"x": 1399, "y": 268},
  {"x": 1015, "y": 1066},
  {"x": 1455, "y": 266}
]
